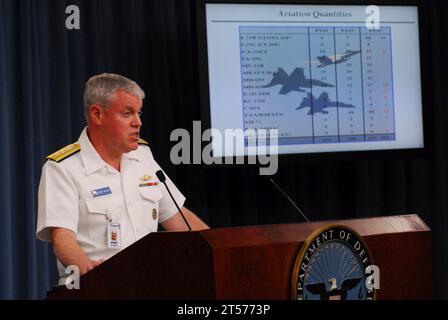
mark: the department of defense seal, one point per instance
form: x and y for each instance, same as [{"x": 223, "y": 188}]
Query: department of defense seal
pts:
[{"x": 331, "y": 265}]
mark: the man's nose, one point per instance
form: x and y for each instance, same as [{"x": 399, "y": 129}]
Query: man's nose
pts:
[{"x": 137, "y": 121}]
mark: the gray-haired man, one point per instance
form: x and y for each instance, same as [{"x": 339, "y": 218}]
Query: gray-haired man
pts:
[{"x": 101, "y": 194}]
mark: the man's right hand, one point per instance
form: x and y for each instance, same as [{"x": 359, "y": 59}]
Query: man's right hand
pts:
[
  {"x": 95, "y": 263},
  {"x": 68, "y": 251}
]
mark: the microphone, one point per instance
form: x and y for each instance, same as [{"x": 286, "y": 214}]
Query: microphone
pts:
[
  {"x": 289, "y": 198},
  {"x": 161, "y": 176}
]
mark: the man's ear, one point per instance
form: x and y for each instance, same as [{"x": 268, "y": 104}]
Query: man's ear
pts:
[{"x": 96, "y": 114}]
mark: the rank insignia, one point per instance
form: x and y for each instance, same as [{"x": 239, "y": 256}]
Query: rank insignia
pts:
[
  {"x": 65, "y": 152},
  {"x": 145, "y": 178}
]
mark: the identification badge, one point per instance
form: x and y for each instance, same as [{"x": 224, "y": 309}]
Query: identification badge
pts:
[
  {"x": 113, "y": 235},
  {"x": 154, "y": 214}
]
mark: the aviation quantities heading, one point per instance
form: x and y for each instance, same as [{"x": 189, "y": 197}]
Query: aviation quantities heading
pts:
[{"x": 315, "y": 14}]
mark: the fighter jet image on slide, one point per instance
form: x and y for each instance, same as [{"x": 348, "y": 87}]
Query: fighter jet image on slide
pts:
[
  {"x": 321, "y": 103},
  {"x": 339, "y": 58},
  {"x": 294, "y": 82}
]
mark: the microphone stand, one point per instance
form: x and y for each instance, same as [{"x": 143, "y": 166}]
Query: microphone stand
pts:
[{"x": 289, "y": 198}]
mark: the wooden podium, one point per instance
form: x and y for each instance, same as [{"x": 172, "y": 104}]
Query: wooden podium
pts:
[{"x": 253, "y": 262}]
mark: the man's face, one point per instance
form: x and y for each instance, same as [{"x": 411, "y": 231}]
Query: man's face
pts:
[{"x": 121, "y": 123}]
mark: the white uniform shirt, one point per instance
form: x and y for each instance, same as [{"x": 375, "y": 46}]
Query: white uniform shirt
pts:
[{"x": 71, "y": 196}]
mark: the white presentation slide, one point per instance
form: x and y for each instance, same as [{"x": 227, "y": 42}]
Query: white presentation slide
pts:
[{"x": 319, "y": 74}]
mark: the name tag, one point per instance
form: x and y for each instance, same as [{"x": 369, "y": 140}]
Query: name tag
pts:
[{"x": 101, "y": 192}]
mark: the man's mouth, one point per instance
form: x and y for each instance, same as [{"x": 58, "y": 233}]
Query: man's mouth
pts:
[{"x": 136, "y": 135}]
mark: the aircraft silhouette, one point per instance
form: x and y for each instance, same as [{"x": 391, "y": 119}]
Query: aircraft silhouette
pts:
[
  {"x": 334, "y": 293},
  {"x": 339, "y": 58},
  {"x": 294, "y": 82},
  {"x": 321, "y": 103}
]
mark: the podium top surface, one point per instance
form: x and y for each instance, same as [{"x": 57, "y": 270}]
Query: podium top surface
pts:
[{"x": 297, "y": 232}]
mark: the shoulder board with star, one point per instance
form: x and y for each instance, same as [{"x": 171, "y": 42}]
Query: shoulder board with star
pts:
[
  {"x": 141, "y": 141},
  {"x": 65, "y": 152}
]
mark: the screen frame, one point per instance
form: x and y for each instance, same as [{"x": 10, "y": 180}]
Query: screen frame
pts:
[{"x": 425, "y": 78}]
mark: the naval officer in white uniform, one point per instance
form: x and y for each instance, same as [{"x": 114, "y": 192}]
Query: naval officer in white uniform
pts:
[{"x": 101, "y": 194}]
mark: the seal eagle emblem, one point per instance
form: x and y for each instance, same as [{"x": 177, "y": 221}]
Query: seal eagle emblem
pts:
[{"x": 331, "y": 265}]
